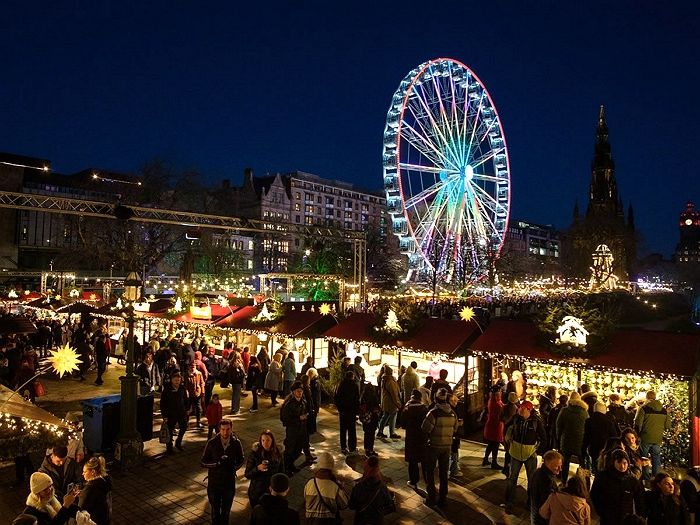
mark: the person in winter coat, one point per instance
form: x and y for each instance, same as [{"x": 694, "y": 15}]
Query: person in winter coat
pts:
[
  {"x": 412, "y": 418},
  {"x": 315, "y": 397},
  {"x": 194, "y": 383},
  {"x": 211, "y": 362},
  {"x": 370, "y": 496},
  {"x": 662, "y": 505},
  {"x": 264, "y": 461},
  {"x": 509, "y": 410},
  {"x": 254, "y": 381},
  {"x": 214, "y": 414},
  {"x": 551, "y": 423},
  {"x": 43, "y": 505},
  {"x": 236, "y": 377},
  {"x": 597, "y": 429},
  {"x": 61, "y": 469},
  {"x": 523, "y": 436},
  {"x": 568, "y": 506},
  {"x": 493, "y": 429},
  {"x": 618, "y": 413},
  {"x": 546, "y": 404},
  {"x": 543, "y": 483},
  {"x": 149, "y": 375},
  {"x": 439, "y": 426},
  {"x": 590, "y": 398},
  {"x": 615, "y": 492},
  {"x": 410, "y": 381},
  {"x": 223, "y": 456},
  {"x": 96, "y": 495},
  {"x": 347, "y": 401},
  {"x": 570, "y": 427},
  {"x": 690, "y": 491},
  {"x": 289, "y": 373},
  {"x": 390, "y": 403},
  {"x": 312, "y": 411},
  {"x": 369, "y": 417},
  {"x": 293, "y": 415},
  {"x": 273, "y": 379},
  {"x": 426, "y": 389},
  {"x": 324, "y": 497},
  {"x": 440, "y": 382},
  {"x": 273, "y": 508},
  {"x": 173, "y": 407},
  {"x": 650, "y": 422}
]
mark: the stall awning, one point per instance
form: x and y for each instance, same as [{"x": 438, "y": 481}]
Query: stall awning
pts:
[
  {"x": 356, "y": 327},
  {"x": 629, "y": 350},
  {"x": 15, "y": 405},
  {"x": 11, "y": 324},
  {"x": 442, "y": 336},
  {"x": 77, "y": 308},
  {"x": 241, "y": 319},
  {"x": 297, "y": 323}
]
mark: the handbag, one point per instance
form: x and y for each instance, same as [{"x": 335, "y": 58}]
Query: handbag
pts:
[
  {"x": 338, "y": 520},
  {"x": 164, "y": 434},
  {"x": 39, "y": 389}
]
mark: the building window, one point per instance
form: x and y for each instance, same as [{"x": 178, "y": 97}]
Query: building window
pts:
[
  {"x": 297, "y": 195},
  {"x": 297, "y": 206},
  {"x": 297, "y": 219},
  {"x": 250, "y": 264},
  {"x": 318, "y": 199},
  {"x": 329, "y": 201},
  {"x": 308, "y": 220},
  {"x": 250, "y": 245},
  {"x": 309, "y": 209}
]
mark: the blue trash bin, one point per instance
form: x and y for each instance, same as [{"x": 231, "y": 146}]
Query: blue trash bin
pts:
[{"x": 101, "y": 422}]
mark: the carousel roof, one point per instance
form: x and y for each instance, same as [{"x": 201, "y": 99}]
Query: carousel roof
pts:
[{"x": 629, "y": 349}]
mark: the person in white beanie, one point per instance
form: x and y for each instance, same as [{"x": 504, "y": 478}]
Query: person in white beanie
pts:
[
  {"x": 43, "y": 505},
  {"x": 323, "y": 494}
]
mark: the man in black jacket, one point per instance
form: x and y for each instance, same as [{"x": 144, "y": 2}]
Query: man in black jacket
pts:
[
  {"x": 223, "y": 456},
  {"x": 544, "y": 481},
  {"x": 173, "y": 407},
  {"x": 347, "y": 401},
  {"x": 273, "y": 508},
  {"x": 293, "y": 415}
]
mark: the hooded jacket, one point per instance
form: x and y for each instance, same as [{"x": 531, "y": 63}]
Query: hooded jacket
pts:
[
  {"x": 651, "y": 421},
  {"x": 409, "y": 382},
  {"x": 523, "y": 436},
  {"x": 273, "y": 510},
  {"x": 570, "y": 426},
  {"x": 544, "y": 482},
  {"x": 565, "y": 509},
  {"x": 615, "y": 494}
]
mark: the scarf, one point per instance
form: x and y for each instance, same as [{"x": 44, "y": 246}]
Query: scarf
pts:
[{"x": 50, "y": 506}]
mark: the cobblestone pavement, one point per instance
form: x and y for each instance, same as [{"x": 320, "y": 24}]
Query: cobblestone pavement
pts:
[{"x": 172, "y": 489}]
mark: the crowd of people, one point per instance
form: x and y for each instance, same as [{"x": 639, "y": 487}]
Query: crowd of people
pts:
[
  {"x": 183, "y": 372},
  {"x": 618, "y": 450}
]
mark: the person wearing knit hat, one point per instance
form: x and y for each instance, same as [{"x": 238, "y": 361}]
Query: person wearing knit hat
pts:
[
  {"x": 293, "y": 414},
  {"x": 324, "y": 497},
  {"x": 615, "y": 493},
  {"x": 439, "y": 426},
  {"x": 43, "y": 505}
]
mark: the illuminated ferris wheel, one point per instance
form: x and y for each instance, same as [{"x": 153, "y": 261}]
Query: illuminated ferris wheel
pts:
[{"x": 446, "y": 173}]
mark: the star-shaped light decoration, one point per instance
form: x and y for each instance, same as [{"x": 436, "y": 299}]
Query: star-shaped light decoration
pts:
[
  {"x": 467, "y": 313},
  {"x": 223, "y": 301},
  {"x": 324, "y": 309},
  {"x": 93, "y": 297},
  {"x": 64, "y": 360}
]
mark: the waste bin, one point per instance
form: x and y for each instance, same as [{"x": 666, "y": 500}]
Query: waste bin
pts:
[{"x": 101, "y": 421}]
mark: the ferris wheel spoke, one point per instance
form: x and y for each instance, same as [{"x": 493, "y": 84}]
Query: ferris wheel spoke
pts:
[
  {"x": 474, "y": 126},
  {"x": 425, "y": 146},
  {"x": 487, "y": 178},
  {"x": 429, "y": 112},
  {"x": 422, "y": 196}
]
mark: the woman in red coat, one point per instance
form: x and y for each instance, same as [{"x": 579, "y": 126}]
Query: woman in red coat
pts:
[{"x": 493, "y": 430}]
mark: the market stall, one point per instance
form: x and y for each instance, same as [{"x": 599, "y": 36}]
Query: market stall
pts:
[{"x": 632, "y": 362}]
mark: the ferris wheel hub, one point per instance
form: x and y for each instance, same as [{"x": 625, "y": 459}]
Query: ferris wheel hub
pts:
[{"x": 468, "y": 173}]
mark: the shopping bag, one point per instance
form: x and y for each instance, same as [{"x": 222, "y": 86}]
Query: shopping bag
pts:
[
  {"x": 82, "y": 517},
  {"x": 164, "y": 434},
  {"x": 585, "y": 475},
  {"x": 39, "y": 389}
]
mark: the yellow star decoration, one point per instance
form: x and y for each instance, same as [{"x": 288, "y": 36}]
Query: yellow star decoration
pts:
[
  {"x": 324, "y": 309},
  {"x": 64, "y": 360},
  {"x": 467, "y": 313}
]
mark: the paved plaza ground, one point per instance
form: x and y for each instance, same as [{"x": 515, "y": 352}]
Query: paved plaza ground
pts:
[{"x": 172, "y": 489}]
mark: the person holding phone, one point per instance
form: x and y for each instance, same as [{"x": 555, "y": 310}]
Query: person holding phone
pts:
[
  {"x": 264, "y": 461},
  {"x": 43, "y": 505}
]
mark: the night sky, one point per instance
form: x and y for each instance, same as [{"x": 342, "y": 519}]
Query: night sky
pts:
[{"x": 306, "y": 86}]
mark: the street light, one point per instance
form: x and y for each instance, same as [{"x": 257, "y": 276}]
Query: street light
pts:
[{"x": 129, "y": 443}]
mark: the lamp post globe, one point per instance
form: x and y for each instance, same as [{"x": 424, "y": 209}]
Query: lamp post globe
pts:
[{"x": 129, "y": 443}]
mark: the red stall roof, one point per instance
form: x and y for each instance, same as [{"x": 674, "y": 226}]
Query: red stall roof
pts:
[
  {"x": 296, "y": 322},
  {"x": 241, "y": 319},
  {"x": 629, "y": 349},
  {"x": 355, "y": 327},
  {"x": 442, "y": 336}
]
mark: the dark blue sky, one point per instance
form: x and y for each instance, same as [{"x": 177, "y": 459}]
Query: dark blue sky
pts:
[{"x": 306, "y": 85}]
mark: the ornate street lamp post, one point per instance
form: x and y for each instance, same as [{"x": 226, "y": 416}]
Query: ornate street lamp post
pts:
[{"x": 129, "y": 444}]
